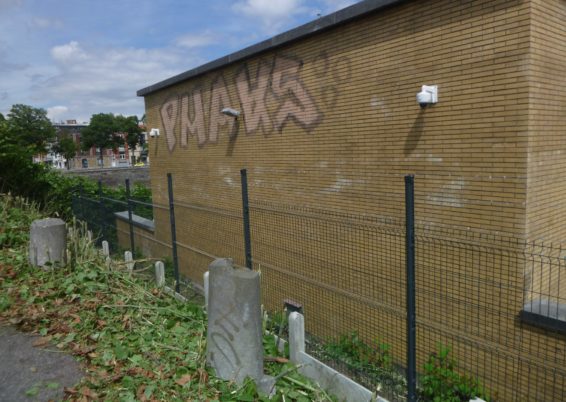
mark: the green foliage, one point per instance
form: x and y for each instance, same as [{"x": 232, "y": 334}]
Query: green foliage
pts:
[
  {"x": 23, "y": 134},
  {"x": 102, "y": 132},
  {"x": 135, "y": 342},
  {"x": 442, "y": 383},
  {"x": 29, "y": 127},
  {"x": 369, "y": 364},
  {"x": 18, "y": 174},
  {"x": 130, "y": 126},
  {"x": 104, "y": 129},
  {"x": 357, "y": 352},
  {"x": 16, "y": 216},
  {"x": 26, "y": 131}
]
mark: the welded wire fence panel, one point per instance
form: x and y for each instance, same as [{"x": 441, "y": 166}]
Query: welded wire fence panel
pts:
[
  {"x": 206, "y": 233},
  {"x": 99, "y": 214},
  {"x": 490, "y": 305},
  {"x": 347, "y": 272}
]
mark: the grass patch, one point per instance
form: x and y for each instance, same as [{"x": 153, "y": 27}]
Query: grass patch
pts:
[{"x": 135, "y": 342}]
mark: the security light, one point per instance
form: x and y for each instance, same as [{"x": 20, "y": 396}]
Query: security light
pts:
[
  {"x": 428, "y": 95},
  {"x": 230, "y": 112}
]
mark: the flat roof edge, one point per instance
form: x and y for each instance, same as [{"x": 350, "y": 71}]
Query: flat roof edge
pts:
[{"x": 310, "y": 28}]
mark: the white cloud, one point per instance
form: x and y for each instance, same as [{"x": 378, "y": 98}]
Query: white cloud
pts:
[
  {"x": 70, "y": 51},
  {"x": 190, "y": 41},
  {"x": 271, "y": 14},
  {"x": 57, "y": 113},
  {"x": 102, "y": 80}
]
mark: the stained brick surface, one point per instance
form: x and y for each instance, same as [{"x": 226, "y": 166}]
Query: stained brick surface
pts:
[{"x": 330, "y": 125}]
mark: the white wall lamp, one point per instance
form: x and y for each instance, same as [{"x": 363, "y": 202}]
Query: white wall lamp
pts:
[
  {"x": 427, "y": 96},
  {"x": 231, "y": 112},
  {"x": 154, "y": 132}
]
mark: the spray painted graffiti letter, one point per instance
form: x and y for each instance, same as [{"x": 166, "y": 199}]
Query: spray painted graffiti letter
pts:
[
  {"x": 195, "y": 126},
  {"x": 219, "y": 99},
  {"x": 169, "y": 113},
  {"x": 252, "y": 98},
  {"x": 297, "y": 103}
]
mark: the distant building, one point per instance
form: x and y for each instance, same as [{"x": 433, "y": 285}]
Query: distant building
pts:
[
  {"x": 121, "y": 156},
  {"x": 72, "y": 128}
]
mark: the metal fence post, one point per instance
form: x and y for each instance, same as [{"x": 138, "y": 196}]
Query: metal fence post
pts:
[
  {"x": 173, "y": 231},
  {"x": 246, "y": 213},
  {"x": 81, "y": 201},
  {"x": 130, "y": 217},
  {"x": 101, "y": 214},
  {"x": 411, "y": 305}
]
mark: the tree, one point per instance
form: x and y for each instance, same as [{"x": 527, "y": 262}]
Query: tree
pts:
[
  {"x": 17, "y": 148},
  {"x": 102, "y": 133},
  {"x": 130, "y": 126},
  {"x": 29, "y": 127},
  {"x": 66, "y": 146}
]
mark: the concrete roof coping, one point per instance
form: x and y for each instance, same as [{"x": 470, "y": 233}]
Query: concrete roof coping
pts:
[
  {"x": 310, "y": 28},
  {"x": 138, "y": 221}
]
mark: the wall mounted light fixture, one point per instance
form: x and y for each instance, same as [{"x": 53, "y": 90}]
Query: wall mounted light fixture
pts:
[{"x": 230, "y": 112}]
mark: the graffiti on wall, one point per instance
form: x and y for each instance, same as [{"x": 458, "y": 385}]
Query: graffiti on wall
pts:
[{"x": 275, "y": 96}]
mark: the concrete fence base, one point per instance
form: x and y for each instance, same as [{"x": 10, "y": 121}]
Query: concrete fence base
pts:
[{"x": 48, "y": 243}]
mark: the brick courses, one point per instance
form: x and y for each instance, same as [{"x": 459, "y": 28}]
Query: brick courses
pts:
[{"x": 331, "y": 123}]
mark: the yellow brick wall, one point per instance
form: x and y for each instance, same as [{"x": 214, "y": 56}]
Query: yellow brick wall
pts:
[
  {"x": 363, "y": 124},
  {"x": 144, "y": 241},
  {"x": 330, "y": 125},
  {"x": 546, "y": 208}
]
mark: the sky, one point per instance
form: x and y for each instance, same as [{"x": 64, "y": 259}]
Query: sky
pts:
[{"x": 76, "y": 58}]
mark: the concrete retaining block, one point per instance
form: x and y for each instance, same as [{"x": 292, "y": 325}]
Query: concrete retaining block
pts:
[
  {"x": 234, "y": 339},
  {"x": 105, "y": 248},
  {"x": 129, "y": 260},
  {"x": 48, "y": 242},
  {"x": 159, "y": 274}
]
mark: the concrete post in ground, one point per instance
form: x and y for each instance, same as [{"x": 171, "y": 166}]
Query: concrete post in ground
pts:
[
  {"x": 205, "y": 286},
  {"x": 159, "y": 274},
  {"x": 296, "y": 336},
  {"x": 48, "y": 242},
  {"x": 89, "y": 235},
  {"x": 105, "y": 248},
  {"x": 234, "y": 339},
  {"x": 129, "y": 260}
]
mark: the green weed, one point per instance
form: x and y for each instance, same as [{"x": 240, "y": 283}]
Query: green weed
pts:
[
  {"x": 135, "y": 342},
  {"x": 442, "y": 383}
]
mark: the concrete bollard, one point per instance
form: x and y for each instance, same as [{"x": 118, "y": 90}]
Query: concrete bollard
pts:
[
  {"x": 89, "y": 236},
  {"x": 234, "y": 339},
  {"x": 205, "y": 287},
  {"x": 129, "y": 260},
  {"x": 296, "y": 336},
  {"x": 105, "y": 248},
  {"x": 48, "y": 242},
  {"x": 159, "y": 274}
]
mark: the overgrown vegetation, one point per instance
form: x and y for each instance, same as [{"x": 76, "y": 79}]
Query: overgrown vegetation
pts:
[
  {"x": 442, "y": 383},
  {"x": 371, "y": 365},
  {"x": 135, "y": 342},
  {"x": 26, "y": 133}
]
